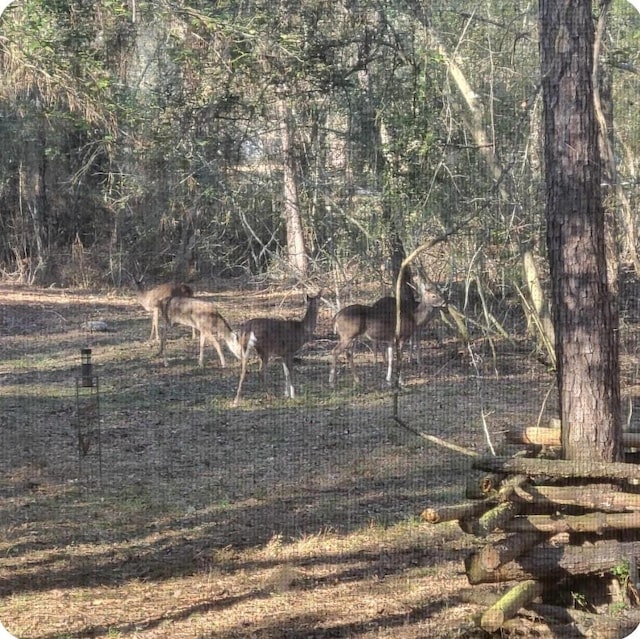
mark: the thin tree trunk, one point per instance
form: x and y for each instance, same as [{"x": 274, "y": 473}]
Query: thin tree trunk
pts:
[
  {"x": 603, "y": 101},
  {"x": 33, "y": 204},
  {"x": 296, "y": 249}
]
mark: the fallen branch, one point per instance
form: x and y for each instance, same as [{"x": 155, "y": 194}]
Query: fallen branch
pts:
[{"x": 435, "y": 440}]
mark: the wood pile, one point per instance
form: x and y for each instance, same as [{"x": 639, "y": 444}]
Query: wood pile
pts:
[{"x": 546, "y": 521}]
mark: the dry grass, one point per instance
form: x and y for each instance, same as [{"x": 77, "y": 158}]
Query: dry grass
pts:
[{"x": 271, "y": 520}]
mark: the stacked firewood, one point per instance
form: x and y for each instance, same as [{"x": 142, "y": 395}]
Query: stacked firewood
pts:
[{"x": 543, "y": 521}]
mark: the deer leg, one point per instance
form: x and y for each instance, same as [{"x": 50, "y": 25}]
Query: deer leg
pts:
[
  {"x": 389, "y": 363},
  {"x": 352, "y": 365},
  {"x": 163, "y": 338},
  {"x": 155, "y": 315},
  {"x": 216, "y": 345},
  {"x": 243, "y": 373},
  {"x": 287, "y": 367},
  {"x": 335, "y": 353},
  {"x": 264, "y": 363},
  {"x": 201, "y": 354},
  {"x": 244, "y": 359},
  {"x": 162, "y": 341}
]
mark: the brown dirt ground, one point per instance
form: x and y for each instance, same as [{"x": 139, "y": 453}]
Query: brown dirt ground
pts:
[{"x": 192, "y": 518}]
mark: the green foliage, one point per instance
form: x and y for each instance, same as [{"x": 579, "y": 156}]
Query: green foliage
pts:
[{"x": 153, "y": 137}]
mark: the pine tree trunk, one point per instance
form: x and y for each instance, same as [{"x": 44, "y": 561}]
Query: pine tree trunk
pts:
[{"x": 584, "y": 317}]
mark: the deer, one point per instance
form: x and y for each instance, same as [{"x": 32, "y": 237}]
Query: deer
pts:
[
  {"x": 200, "y": 315},
  {"x": 151, "y": 300},
  {"x": 276, "y": 338},
  {"x": 377, "y": 322}
]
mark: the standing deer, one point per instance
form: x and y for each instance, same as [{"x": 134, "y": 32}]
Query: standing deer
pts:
[
  {"x": 151, "y": 300},
  {"x": 273, "y": 338},
  {"x": 378, "y": 323},
  {"x": 203, "y": 316}
]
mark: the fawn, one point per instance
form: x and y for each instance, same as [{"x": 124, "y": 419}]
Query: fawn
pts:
[
  {"x": 151, "y": 300},
  {"x": 203, "y": 316},
  {"x": 273, "y": 338},
  {"x": 378, "y": 323}
]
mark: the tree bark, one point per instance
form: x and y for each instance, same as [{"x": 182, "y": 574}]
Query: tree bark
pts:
[
  {"x": 497, "y": 517},
  {"x": 550, "y": 562},
  {"x": 458, "y": 511},
  {"x": 495, "y": 554},
  {"x": 585, "y": 321},
  {"x": 296, "y": 248}
]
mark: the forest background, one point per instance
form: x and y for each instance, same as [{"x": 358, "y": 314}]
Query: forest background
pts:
[{"x": 220, "y": 139}]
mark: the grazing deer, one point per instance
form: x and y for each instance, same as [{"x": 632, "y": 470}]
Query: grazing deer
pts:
[
  {"x": 151, "y": 300},
  {"x": 273, "y": 338},
  {"x": 203, "y": 316},
  {"x": 378, "y": 323}
]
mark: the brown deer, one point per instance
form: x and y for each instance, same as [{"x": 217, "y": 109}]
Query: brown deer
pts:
[
  {"x": 151, "y": 300},
  {"x": 276, "y": 338},
  {"x": 201, "y": 315},
  {"x": 378, "y": 323}
]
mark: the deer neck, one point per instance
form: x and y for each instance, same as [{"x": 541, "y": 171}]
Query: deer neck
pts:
[{"x": 311, "y": 316}]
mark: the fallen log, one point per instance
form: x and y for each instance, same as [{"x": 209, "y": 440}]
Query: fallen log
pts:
[
  {"x": 549, "y": 562},
  {"x": 507, "y": 606},
  {"x": 605, "y": 497},
  {"x": 501, "y": 552},
  {"x": 557, "y": 468},
  {"x": 598, "y": 522}
]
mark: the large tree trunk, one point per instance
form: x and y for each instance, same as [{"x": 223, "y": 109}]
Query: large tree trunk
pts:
[{"x": 583, "y": 308}]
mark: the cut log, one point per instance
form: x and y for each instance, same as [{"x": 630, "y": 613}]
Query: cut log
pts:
[
  {"x": 495, "y": 554},
  {"x": 541, "y": 436},
  {"x": 507, "y": 606},
  {"x": 597, "y": 522},
  {"x": 535, "y": 435},
  {"x": 549, "y": 562},
  {"x": 558, "y": 468},
  {"x": 458, "y": 511},
  {"x": 484, "y": 487}
]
